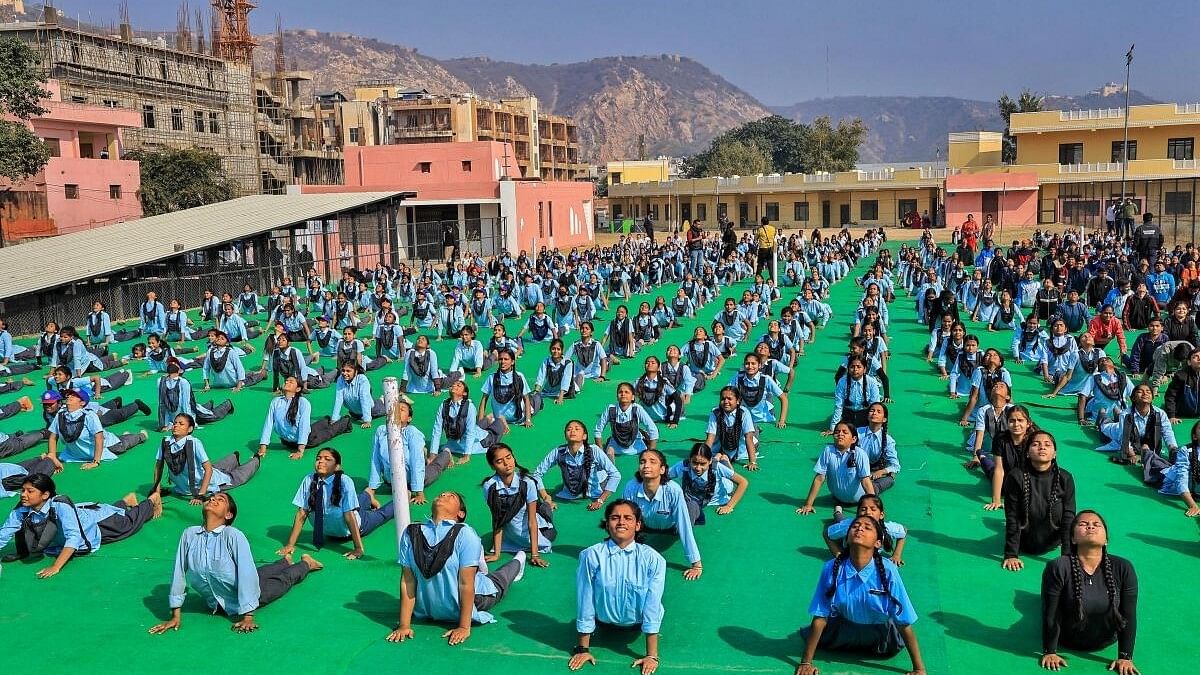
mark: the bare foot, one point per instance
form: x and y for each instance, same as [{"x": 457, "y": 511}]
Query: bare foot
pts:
[
  {"x": 26, "y": 404},
  {"x": 26, "y": 381},
  {"x": 314, "y": 565},
  {"x": 464, "y": 460},
  {"x": 130, "y": 500},
  {"x": 156, "y": 499}
]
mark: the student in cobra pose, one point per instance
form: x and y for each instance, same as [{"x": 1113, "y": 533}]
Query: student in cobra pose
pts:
[
  {"x": 353, "y": 390},
  {"x": 1143, "y": 429},
  {"x": 327, "y": 497},
  {"x": 894, "y": 534},
  {"x": 664, "y": 507},
  {"x": 854, "y": 393},
  {"x": 880, "y": 448},
  {"x": 469, "y": 354},
  {"x": 607, "y": 574},
  {"x": 1089, "y": 598},
  {"x": 152, "y": 316},
  {"x": 215, "y": 559},
  {"x": 619, "y": 338},
  {"x": 556, "y": 375},
  {"x": 586, "y": 470},
  {"x": 657, "y": 395},
  {"x": 458, "y": 419},
  {"x": 421, "y": 372},
  {"x": 519, "y": 521},
  {"x": 290, "y": 417},
  {"x": 757, "y": 389},
  {"x": 539, "y": 325},
  {"x": 223, "y": 368},
  {"x": 420, "y": 469},
  {"x": 1039, "y": 500},
  {"x": 183, "y": 461},
  {"x": 77, "y": 434},
  {"x": 445, "y": 577},
  {"x": 1103, "y": 396},
  {"x": 591, "y": 361},
  {"x": 731, "y": 432},
  {"x": 1080, "y": 365},
  {"x": 704, "y": 358},
  {"x": 991, "y": 370},
  {"x": 845, "y": 465},
  {"x": 860, "y": 603},
  {"x": 99, "y": 325},
  {"x": 708, "y": 483},
  {"x": 633, "y": 430},
  {"x": 508, "y": 392}
]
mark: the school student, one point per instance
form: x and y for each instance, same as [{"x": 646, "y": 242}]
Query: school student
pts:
[
  {"x": 586, "y": 470},
  {"x": 77, "y": 435},
  {"x": 633, "y": 430},
  {"x": 47, "y": 523},
  {"x": 880, "y": 447},
  {"x": 353, "y": 390},
  {"x": 328, "y": 498},
  {"x": 854, "y": 393},
  {"x": 1104, "y": 395},
  {"x": 420, "y": 469},
  {"x": 1089, "y": 599},
  {"x": 620, "y": 582},
  {"x": 1142, "y": 429},
  {"x": 519, "y": 521},
  {"x": 556, "y": 375},
  {"x": 183, "y": 461},
  {"x": 591, "y": 361},
  {"x": 708, "y": 483},
  {"x": 860, "y": 604},
  {"x": 757, "y": 389},
  {"x": 664, "y": 506},
  {"x": 223, "y": 368},
  {"x": 508, "y": 392},
  {"x": 445, "y": 577},
  {"x": 152, "y": 316},
  {"x": 175, "y": 397},
  {"x": 71, "y": 352},
  {"x": 990, "y": 371},
  {"x": 421, "y": 372},
  {"x": 845, "y": 466},
  {"x": 1176, "y": 475},
  {"x": 894, "y": 534},
  {"x": 469, "y": 354},
  {"x": 704, "y": 358},
  {"x": 290, "y": 417},
  {"x": 458, "y": 419},
  {"x": 215, "y": 559},
  {"x": 12, "y": 476},
  {"x": 731, "y": 432},
  {"x": 1039, "y": 500}
]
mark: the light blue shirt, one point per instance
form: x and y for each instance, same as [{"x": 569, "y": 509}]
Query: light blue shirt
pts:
[
  {"x": 666, "y": 510},
  {"x": 277, "y": 422},
  {"x": 730, "y": 418},
  {"x": 507, "y": 410},
  {"x": 335, "y": 512},
  {"x": 70, "y": 534},
  {"x": 8, "y": 470},
  {"x": 467, "y": 357},
  {"x": 414, "y": 458},
  {"x": 469, "y": 444},
  {"x": 437, "y": 598},
  {"x": 603, "y": 476},
  {"x": 724, "y": 476},
  {"x": 844, "y": 481},
  {"x": 180, "y": 484},
  {"x": 167, "y": 415},
  {"x": 231, "y": 375},
  {"x": 220, "y": 566},
  {"x": 623, "y": 415},
  {"x": 620, "y": 586},
  {"x": 84, "y": 447},
  {"x": 879, "y": 449},
  {"x": 355, "y": 395},
  {"x": 859, "y": 598},
  {"x": 81, "y": 358},
  {"x": 516, "y": 531},
  {"x": 858, "y": 397}
]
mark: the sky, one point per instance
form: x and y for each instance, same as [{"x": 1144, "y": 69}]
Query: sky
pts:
[{"x": 777, "y": 50}]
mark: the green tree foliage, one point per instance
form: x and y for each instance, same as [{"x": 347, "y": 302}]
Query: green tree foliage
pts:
[
  {"x": 173, "y": 180},
  {"x": 1026, "y": 102},
  {"x": 739, "y": 158},
  {"x": 786, "y": 145},
  {"x": 22, "y": 153}
]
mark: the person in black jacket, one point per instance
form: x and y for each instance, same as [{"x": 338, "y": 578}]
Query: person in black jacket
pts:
[
  {"x": 1147, "y": 238},
  {"x": 1139, "y": 308},
  {"x": 1089, "y": 598},
  {"x": 1183, "y": 393},
  {"x": 1039, "y": 503}
]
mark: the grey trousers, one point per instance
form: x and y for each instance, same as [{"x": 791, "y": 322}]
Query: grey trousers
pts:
[
  {"x": 503, "y": 578},
  {"x": 9, "y": 409},
  {"x": 434, "y": 469},
  {"x": 277, "y": 578},
  {"x": 128, "y": 440},
  {"x": 117, "y": 527},
  {"x": 20, "y": 442},
  {"x": 239, "y": 473}
]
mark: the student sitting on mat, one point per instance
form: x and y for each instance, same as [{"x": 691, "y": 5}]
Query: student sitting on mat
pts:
[
  {"x": 328, "y": 498},
  {"x": 731, "y": 432},
  {"x": 175, "y": 396},
  {"x": 215, "y": 559},
  {"x": 586, "y": 470},
  {"x": 845, "y": 465},
  {"x": 708, "y": 483},
  {"x": 1089, "y": 598},
  {"x": 77, "y": 435},
  {"x": 47, "y": 523},
  {"x": 290, "y": 417},
  {"x": 519, "y": 521},
  {"x": 664, "y": 506},
  {"x": 854, "y": 393},
  {"x": 1039, "y": 499},
  {"x": 860, "y": 604},
  {"x": 444, "y": 575},
  {"x": 620, "y": 582},
  {"x": 508, "y": 393},
  {"x": 556, "y": 375},
  {"x": 420, "y": 469},
  {"x": 183, "y": 461},
  {"x": 894, "y": 534},
  {"x": 633, "y": 430},
  {"x": 880, "y": 448}
]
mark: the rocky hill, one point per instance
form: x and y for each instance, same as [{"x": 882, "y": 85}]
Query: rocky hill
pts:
[{"x": 677, "y": 103}]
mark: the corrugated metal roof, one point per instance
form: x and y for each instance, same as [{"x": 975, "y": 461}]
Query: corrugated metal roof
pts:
[{"x": 55, "y": 261}]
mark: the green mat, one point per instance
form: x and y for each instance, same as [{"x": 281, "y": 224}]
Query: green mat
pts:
[{"x": 761, "y": 562}]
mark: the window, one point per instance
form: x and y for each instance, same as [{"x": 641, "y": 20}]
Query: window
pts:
[
  {"x": 1070, "y": 153},
  {"x": 466, "y": 166},
  {"x": 54, "y": 145},
  {"x": 425, "y": 167},
  {"x": 78, "y": 98},
  {"x": 354, "y": 134},
  {"x": 541, "y": 219},
  {"x": 800, "y": 212},
  {"x": 652, "y": 211},
  {"x": 198, "y": 121},
  {"x": 1177, "y": 204},
  {"x": 1181, "y": 148},
  {"x": 1116, "y": 151},
  {"x": 617, "y": 212},
  {"x": 772, "y": 211},
  {"x": 110, "y": 103},
  {"x": 72, "y": 190},
  {"x": 148, "y": 116},
  {"x": 722, "y": 210},
  {"x": 637, "y": 210},
  {"x": 550, "y": 217},
  {"x": 685, "y": 211},
  {"x": 176, "y": 119},
  {"x": 214, "y": 124},
  {"x": 743, "y": 212},
  {"x": 114, "y": 191},
  {"x": 702, "y": 212},
  {"x": 868, "y": 209},
  {"x": 906, "y": 207},
  {"x": 615, "y": 177}
]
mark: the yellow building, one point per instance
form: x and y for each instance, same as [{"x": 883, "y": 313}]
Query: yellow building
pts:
[
  {"x": 1068, "y": 160},
  {"x": 638, "y": 171}
]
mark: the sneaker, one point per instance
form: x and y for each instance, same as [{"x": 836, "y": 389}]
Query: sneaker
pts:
[
  {"x": 520, "y": 558},
  {"x": 141, "y": 405}
]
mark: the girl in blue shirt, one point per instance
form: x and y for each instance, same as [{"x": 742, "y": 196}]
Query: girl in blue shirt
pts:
[
  {"x": 591, "y": 361},
  {"x": 469, "y": 354},
  {"x": 618, "y": 337},
  {"x": 556, "y": 375},
  {"x": 708, "y": 483},
  {"x": 586, "y": 470},
  {"x": 860, "y": 603},
  {"x": 175, "y": 397},
  {"x": 1178, "y": 474},
  {"x": 845, "y": 466},
  {"x": 519, "y": 521},
  {"x": 663, "y": 504},
  {"x": 183, "y": 461},
  {"x": 290, "y": 416},
  {"x": 620, "y": 582},
  {"x": 757, "y": 389},
  {"x": 894, "y": 534},
  {"x": 177, "y": 324},
  {"x": 353, "y": 390},
  {"x": 458, "y": 419},
  {"x": 627, "y": 420},
  {"x": 508, "y": 393},
  {"x": 854, "y": 393},
  {"x": 327, "y": 497},
  {"x": 99, "y": 325},
  {"x": 421, "y": 372},
  {"x": 703, "y": 357},
  {"x": 420, "y": 469},
  {"x": 880, "y": 447}
]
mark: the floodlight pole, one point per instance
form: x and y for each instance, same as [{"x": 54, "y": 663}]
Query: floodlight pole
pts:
[
  {"x": 1125, "y": 143},
  {"x": 397, "y": 452}
]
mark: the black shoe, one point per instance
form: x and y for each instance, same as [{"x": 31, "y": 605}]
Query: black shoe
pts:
[
  {"x": 117, "y": 402},
  {"x": 141, "y": 405},
  {"x": 10, "y": 558}
]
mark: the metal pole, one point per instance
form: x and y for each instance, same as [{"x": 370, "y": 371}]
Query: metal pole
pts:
[
  {"x": 1125, "y": 143},
  {"x": 397, "y": 453}
]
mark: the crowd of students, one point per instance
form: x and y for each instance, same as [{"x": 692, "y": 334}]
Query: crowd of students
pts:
[{"x": 860, "y": 603}]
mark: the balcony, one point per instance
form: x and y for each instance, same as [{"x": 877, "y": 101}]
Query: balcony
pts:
[
  {"x": 729, "y": 182},
  {"x": 818, "y": 178},
  {"x": 1097, "y": 114},
  {"x": 930, "y": 173},
  {"x": 876, "y": 175},
  {"x": 773, "y": 179},
  {"x": 422, "y": 131},
  {"x": 1090, "y": 167},
  {"x": 1187, "y": 109},
  {"x": 1185, "y": 164}
]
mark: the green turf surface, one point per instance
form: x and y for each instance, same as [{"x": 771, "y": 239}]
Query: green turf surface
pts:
[{"x": 761, "y": 562}]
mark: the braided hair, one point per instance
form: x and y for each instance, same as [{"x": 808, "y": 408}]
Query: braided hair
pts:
[
  {"x": 1056, "y": 485},
  {"x": 494, "y": 450},
  {"x": 293, "y": 411},
  {"x": 885, "y": 582},
  {"x": 1113, "y": 615},
  {"x": 852, "y": 461},
  {"x": 335, "y": 494}
]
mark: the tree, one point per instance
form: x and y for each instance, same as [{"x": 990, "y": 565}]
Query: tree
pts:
[
  {"x": 173, "y": 180},
  {"x": 22, "y": 153},
  {"x": 788, "y": 146},
  {"x": 830, "y": 148},
  {"x": 1026, "y": 102},
  {"x": 738, "y": 158}
]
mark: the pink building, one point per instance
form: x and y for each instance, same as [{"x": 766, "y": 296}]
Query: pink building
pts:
[
  {"x": 1009, "y": 198},
  {"x": 84, "y": 184},
  {"x": 468, "y": 185}
]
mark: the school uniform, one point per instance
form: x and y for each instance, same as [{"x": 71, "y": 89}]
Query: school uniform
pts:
[
  {"x": 1132, "y": 430},
  {"x": 843, "y": 472},
  {"x": 459, "y": 421},
  {"x": 355, "y": 396},
  {"x": 390, "y": 341},
  {"x": 98, "y": 328},
  {"x": 714, "y": 487},
  {"x": 76, "y": 433},
  {"x": 658, "y": 398},
  {"x": 1030, "y": 346},
  {"x": 982, "y": 381},
  {"x": 176, "y": 326},
  {"x": 276, "y": 422},
  {"x": 881, "y": 452},
  {"x": 420, "y": 473},
  {"x": 451, "y": 321},
  {"x": 732, "y": 321},
  {"x": 1106, "y": 393},
  {"x": 860, "y": 615},
  {"x": 680, "y": 377},
  {"x": 587, "y": 473},
  {"x": 730, "y": 429},
  {"x": 1082, "y": 365},
  {"x": 152, "y": 318},
  {"x": 481, "y": 312},
  {"x": 506, "y": 396},
  {"x": 556, "y": 378},
  {"x": 620, "y": 587},
  {"x": 851, "y": 398},
  {"x": 75, "y": 356},
  {"x": 626, "y": 425},
  {"x": 665, "y": 511},
  {"x": 588, "y": 357},
  {"x": 508, "y": 505},
  {"x": 756, "y": 393},
  {"x": 437, "y": 587},
  {"x": 12, "y": 476},
  {"x": 421, "y": 372},
  {"x": 183, "y": 460},
  {"x": 896, "y": 532},
  {"x": 78, "y": 528},
  {"x": 223, "y": 369},
  {"x": 220, "y": 567},
  {"x": 316, "y": 497}
]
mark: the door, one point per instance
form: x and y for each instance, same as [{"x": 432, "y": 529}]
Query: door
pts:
[
  {"x": 844, "y": 212},
  {"x": 991, "y": 207},
  {"x": 825, "y": 213},
  {"x": 743, "y": 213}
]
